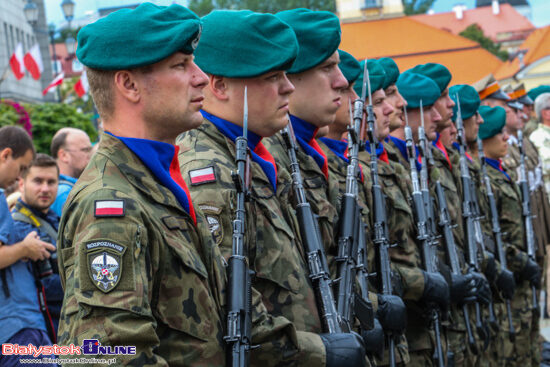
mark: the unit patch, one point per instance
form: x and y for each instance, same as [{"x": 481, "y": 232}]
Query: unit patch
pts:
[
  {"x": 105, "y": 264},
  {"x": 212, "y": 214},
  {"x": 202, "y": 176},
  {"x": 108, "y": 208}
]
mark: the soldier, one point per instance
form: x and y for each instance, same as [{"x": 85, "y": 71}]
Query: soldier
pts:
[
  {"x": 447, "y": 165},
  {"x": 530, "y": 109},
  {"x": 420, "y": 287},
  {"x": 391, "y": 310},
  {"x": 137, "y": 262},
  {"x": 207, "y": 159},
  {"x": 508, "y": 201}
]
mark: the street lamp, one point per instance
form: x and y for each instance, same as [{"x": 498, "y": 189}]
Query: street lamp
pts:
[
  {"x": 68, "y": 10},
  {"x": 31, "y": 12}
]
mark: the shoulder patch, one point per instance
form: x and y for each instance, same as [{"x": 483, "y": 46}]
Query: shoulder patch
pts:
[
  {"x": 202, "y": 176},
  {"x": 108, "y": 208},
  {"x": 105, "y": 264}
]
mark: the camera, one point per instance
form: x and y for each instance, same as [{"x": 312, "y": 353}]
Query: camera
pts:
[{"x": 45, "y": 268}]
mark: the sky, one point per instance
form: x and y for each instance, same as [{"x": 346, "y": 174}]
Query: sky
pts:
[{"x": 54, "y": 14}]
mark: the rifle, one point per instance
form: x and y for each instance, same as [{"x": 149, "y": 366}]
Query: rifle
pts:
[
  {"x": 526, "y": 212},
  {"x": 239, "y": 275},
  {"x": 425, "y": 237},
  {"x": 351, "y": 239},
  {"x": 469, "y": 217},
  {"x": 496, "y": 230},
  {"x": 309, "y": 231},
  {"x": 381, "y": 233}
]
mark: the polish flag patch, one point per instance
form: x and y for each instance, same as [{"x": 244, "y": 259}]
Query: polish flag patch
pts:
[
  {"x": 109, "y": 208},
  {"x": 202, "y": 176}
]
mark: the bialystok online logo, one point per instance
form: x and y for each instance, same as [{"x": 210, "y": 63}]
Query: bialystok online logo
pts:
[{"x": 89, "y": 347}]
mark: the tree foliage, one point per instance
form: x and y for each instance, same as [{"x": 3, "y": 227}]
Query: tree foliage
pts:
[
  {"x": 411, "y": 7},
  {"x": 475, "y": 33},
  {"x": 203, "y": 7},
  {"x": 46, "y": 119}
]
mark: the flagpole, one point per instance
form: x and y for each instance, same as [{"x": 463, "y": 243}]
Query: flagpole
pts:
[{"x": 5, "y": 74}]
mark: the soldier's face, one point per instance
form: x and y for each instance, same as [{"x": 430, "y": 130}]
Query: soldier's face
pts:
[
  {"x": 471, "y": 127},
  {"x": 382, "y": 110},
  {"x": 172, "y": 96},
  {"x": 496, "y": 147},
  {"x": 268, "y": 101},
  {"x": 513, "y": 120},
  {"x": 343, "y": 117},
  {"x": 444, "y": 106},
  {"x": 318, "y": 93},
  {"x": 396, "y": 100},
  {"x": 448, "y": 135},
  {"x": 431, "y": 118},
  {"x": 39, "y": 187}
]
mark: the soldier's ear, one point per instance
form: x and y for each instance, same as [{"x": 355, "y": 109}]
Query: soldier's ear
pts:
[
  {"x": 219, "y": 87},
  {"x": 128, "y": 85}
]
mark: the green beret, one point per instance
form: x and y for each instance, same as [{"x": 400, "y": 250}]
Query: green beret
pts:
[
  {"x": 437, "y": 72},
  {"x": 416, "y": 87},
  {"x": 494, "y": 119},
  {"x": 535, "y": 92},
  {"x": 377, "y": 76},
  {"x": 349, "y": 66},
  {"x": 469, "y": 100},
  {"x": 128, "y": 39},
  {"x": 391, "y": 69},
  {"x": 245, "y": 44},
  {"x": 318, "y": 34}
]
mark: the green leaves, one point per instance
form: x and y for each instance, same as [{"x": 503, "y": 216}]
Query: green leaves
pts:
[
  {"x": 475, "y": 33},
  {"x": 46, "y": 119},
  {"x": 203, "y": 7}
]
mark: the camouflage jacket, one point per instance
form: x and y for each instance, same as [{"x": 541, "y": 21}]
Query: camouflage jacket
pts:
[
  {"x": 540, "y": 206},
  {"x": 530, "y": 126},
  {"x": 274, "y": 252},
  {"x": 322, "y": 194},
  {"x": 508, "y": 201},
  {"x": 163, "y": 292}
]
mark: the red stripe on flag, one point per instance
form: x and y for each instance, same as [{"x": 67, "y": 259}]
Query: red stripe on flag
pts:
[
  {"x": 203, "y": 178},
  {"x": 109, "y": 211}
]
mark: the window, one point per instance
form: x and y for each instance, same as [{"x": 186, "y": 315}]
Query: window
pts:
[{"x": 369, "y": 4}]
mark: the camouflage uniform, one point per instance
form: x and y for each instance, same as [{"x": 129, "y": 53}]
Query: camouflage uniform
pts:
[
  {"x": 406, "y": 256},
  {"x": 508, "y": 200},
  {"x": 322, "y": 194},
  {"x": 530, "y": 126},
  {"x": 274, "y": 252},
  {"x": 540, "y": 208},
  {"x": 447, "y": 172},
  {"x": 168, "y": 300}
]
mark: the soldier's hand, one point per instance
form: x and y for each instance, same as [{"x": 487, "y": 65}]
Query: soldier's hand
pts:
[
  {"x": 36, "y": 249},
  {"x": 374, "y": 339},
  {"x": 463, "y": 288},
  {"x": 531, "y": 272},
  {"x": 490, "y": 267},
  {"x": 483, "y": 293},
  {"x": 343, "y": 349},
  {"x": 392, "y": 313},
  {"x": 506, "y": 283},
  {"x": 436, "y": 289}
]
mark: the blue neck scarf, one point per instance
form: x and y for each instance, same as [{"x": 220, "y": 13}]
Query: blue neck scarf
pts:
[
  {"x": 457, "y": 147},
  {"x": 402, "y": 146},
  {"x": 340, "y": 149},
  {"x": 497, "y": 164},
  {"x": 162, "y": 160},
  {"x": 258, "y": 152},
  {"x": 305, "y": 135}
]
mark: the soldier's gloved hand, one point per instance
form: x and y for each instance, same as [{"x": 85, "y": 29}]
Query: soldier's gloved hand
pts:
[
  {"x": 392, "y": 313},
  {"x": 483, "y": 294},
  {"x": 343, "y": 349},
  {"x": 531, "y": 272},
  {"x": 463, "y": 288},
  {"x": 436, "y": 289},
  {"x": 506, "y": 283},
  {"x": 374, "y": 339},
  {"x": 490, "y": 267}
]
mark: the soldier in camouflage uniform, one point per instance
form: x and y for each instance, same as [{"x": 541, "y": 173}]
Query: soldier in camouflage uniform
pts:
[
  {"x": 136, "y": 260},
  {"x": 508, "y": 200},
  {"x": 336, "y": 151},
  {"x": 207, "y": 158},
  {"x": 447, "y": 172},
  {"x": 419, "y": 287}
]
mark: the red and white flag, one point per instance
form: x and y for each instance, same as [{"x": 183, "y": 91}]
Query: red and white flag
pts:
[
  {"x": 33, "y": 62},
  {"x": 16, "y": 62},
  {"x": 81, "y": 87},
  {"x": 57, "y": 81}
]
